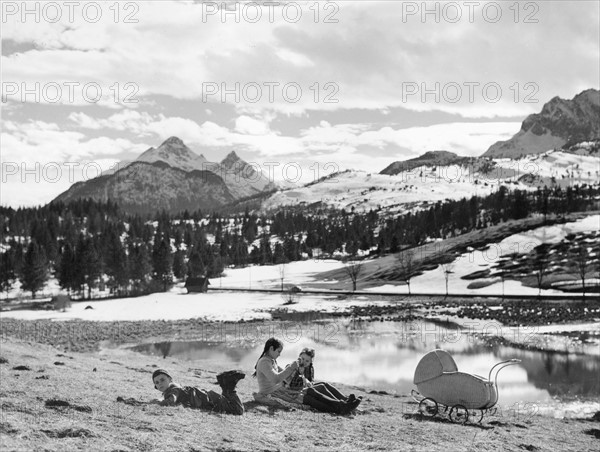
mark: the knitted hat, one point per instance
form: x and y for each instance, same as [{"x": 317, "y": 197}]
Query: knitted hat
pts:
[{"x": 160, "y": 371}]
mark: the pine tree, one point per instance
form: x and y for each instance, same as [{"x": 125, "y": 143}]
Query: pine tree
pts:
[
  {"x": 351, "y": 248},
  {"x": 115, "y": 260},
  {"x": 216, "y": 267},
  {"x": 7, "y": 273},
  {"x": 141, "y": 265},
  {"x": 266, "y": 254},
  {"x": 250, "y": 227},
  {"x": 179, "y": 265},
  {"x": 35, "y": 269},
  {"x": 279, "y": 256},
  {"x": 162, "y": 264},
  {"x": 395, "y": 246},
  {"x": 224, "y": 250},
  {"x": 196, "y": 266},
  {"x": 18, "y": 257},
  {"x": 66, "y": 268},
  {"x": 89, "y": 264},
  {"x": 240, "y": 250},
  {"x": 291, "y": 249}
]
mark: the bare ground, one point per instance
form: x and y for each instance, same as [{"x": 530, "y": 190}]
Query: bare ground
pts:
[{"x": 68, "y": 401}]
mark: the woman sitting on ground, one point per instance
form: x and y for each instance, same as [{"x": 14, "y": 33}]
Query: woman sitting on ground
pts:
[{"x": 271, "y": 377}]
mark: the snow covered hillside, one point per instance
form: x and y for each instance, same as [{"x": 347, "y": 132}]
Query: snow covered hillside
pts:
[{"x": 429, "y": 184}]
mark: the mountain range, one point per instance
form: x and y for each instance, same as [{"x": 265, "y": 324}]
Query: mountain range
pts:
[
  {"x": 241, "y": 178},
  {"x": 174, "y": 178}
]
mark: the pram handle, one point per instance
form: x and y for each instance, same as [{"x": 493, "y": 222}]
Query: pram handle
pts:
[{"x": 503, "y": 364}]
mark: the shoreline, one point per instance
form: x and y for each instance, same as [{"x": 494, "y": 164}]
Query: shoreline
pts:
[{"x": 518, "y": 324}]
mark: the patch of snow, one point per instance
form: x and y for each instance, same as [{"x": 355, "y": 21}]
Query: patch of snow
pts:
[
  {"x": 175, "y": 305},
  {"x": 433, "y": 281}
]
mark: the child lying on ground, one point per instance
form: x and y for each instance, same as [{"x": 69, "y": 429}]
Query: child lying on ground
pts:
[{"x": 192, "y": 397}]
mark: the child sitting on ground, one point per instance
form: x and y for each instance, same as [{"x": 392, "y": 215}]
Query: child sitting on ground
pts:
[
  {"x": 304, "y": 377},
  {"x": 305, "y": 374},
  {"x": 192, "y": 397}
]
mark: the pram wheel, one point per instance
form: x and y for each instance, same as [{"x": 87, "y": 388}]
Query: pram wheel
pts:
[
  {"x": 459, "y": 414},
  {"x": 476, "y": 416},
  {"x": 428, "y": 407}
]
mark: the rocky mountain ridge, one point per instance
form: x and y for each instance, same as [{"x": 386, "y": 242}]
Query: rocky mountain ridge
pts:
[
  {"x": 429, "y": 158},
  {"x": 174, "y": 178},
  {"x": 143, "y": 187},
  {"x": 560, "y": 124},
  {"x": 175, "y": 153}
]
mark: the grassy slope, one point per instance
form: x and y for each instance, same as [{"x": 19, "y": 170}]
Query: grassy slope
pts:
[{"x": 96, "y": 421}]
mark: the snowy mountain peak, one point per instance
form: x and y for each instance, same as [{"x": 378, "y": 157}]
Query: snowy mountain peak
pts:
[
  {"x": 175, "y": 153},
  {"x": 241, "y": 178},
  {"x": 173, "y": 141},
  {"x": 231, "y": 159},
  {"x": 175, "y": 146}
]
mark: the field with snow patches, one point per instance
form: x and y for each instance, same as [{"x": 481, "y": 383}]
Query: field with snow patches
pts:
[{"x": 433, "y": 281}]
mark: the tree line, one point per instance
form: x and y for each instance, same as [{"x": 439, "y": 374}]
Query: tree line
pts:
[{"x": 87, "y": 244}]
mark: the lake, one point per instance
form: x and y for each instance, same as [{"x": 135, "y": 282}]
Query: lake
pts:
[{"x": 384, "y": 355}]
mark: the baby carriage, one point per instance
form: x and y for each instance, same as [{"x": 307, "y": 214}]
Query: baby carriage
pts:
[{"x": 440, "y": 383}]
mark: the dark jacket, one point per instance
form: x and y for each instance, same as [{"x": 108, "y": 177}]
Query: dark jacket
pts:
[{"x": 188, "y": 396}]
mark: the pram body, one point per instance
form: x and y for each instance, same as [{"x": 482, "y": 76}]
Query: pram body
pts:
[{"x": 439, "y": 382}]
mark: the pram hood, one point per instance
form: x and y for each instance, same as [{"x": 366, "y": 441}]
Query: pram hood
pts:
[{"x": 434, "y": 364}]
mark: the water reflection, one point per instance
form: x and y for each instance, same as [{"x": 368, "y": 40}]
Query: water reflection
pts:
[{"x": 384, "y": 355}]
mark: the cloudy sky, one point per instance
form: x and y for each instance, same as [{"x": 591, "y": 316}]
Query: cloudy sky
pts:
[{"x": 326, "y": 86}]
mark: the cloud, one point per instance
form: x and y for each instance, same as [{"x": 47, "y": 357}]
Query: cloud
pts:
[
  {"x": 40, "y": 161},
  {"x": 250, "y": 126},
  {"x": 370, "y": 56},
  {"x": 255, "y": 135},
  {"x": 469, "y": 139},
  {"x": 297, "y": 59},
  {"x": 42, "y": 142},
  {"x": 144, "y": 124},
  {"x": 131, "y": 120}
]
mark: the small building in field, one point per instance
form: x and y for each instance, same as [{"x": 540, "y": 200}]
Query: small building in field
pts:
[
  {"x": 197, "y": 284},
  {"x": 61, "y": 302}
]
